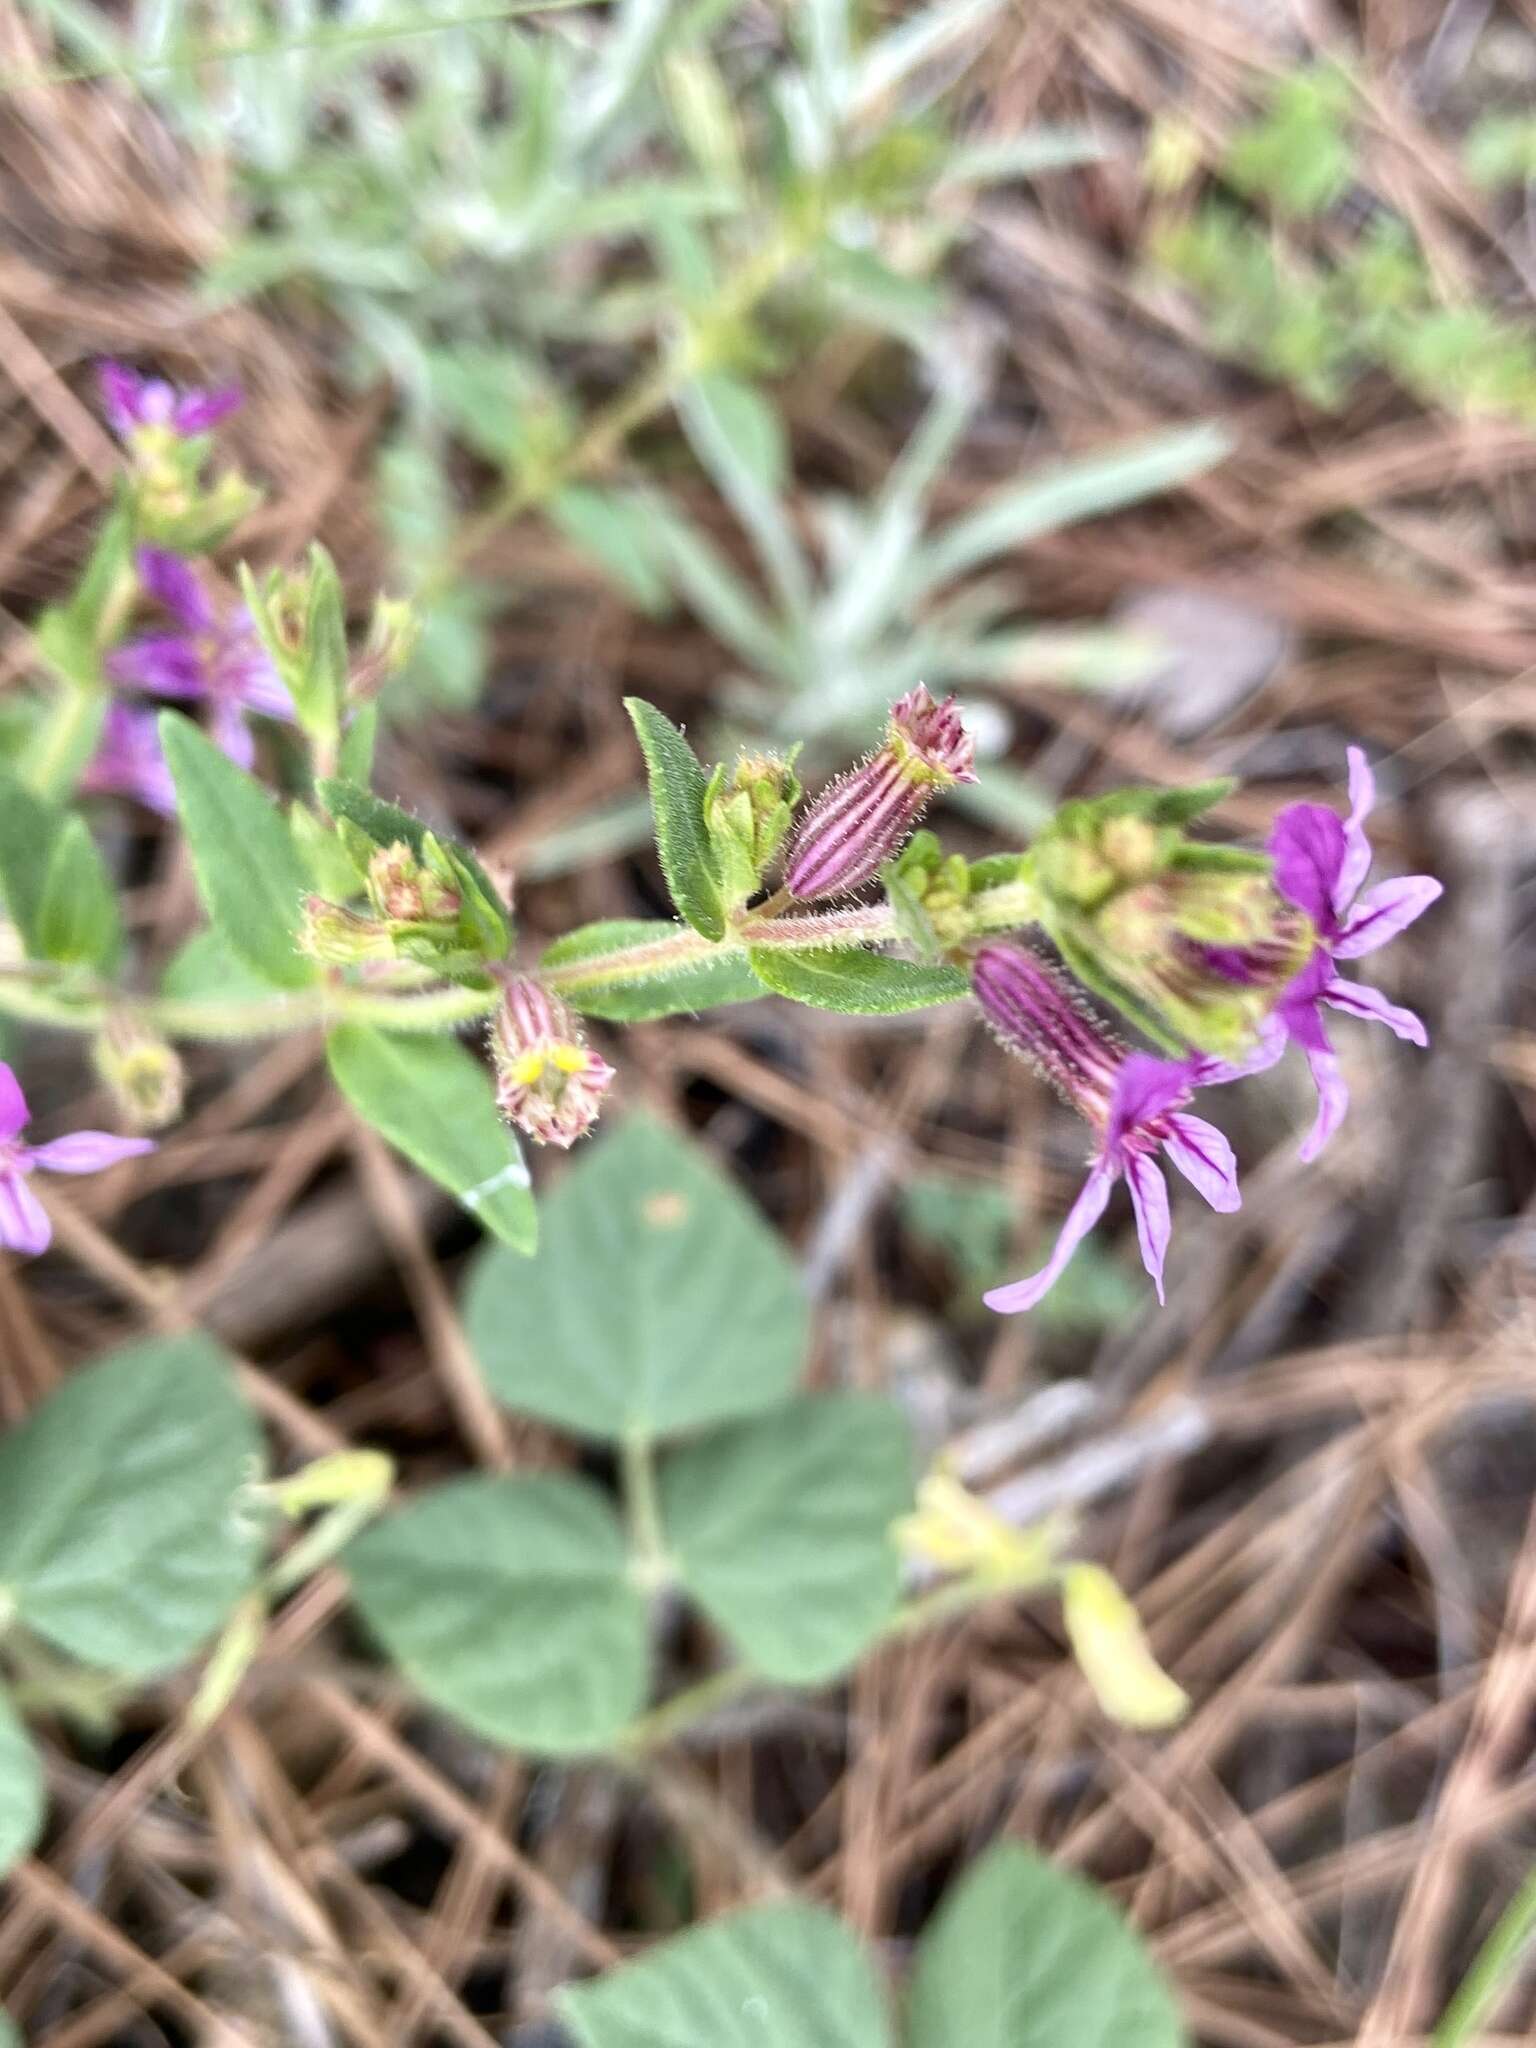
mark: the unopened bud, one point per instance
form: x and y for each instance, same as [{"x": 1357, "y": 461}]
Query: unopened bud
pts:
[
  {"x": 144, "y": 1073},
  {"x": 406, "y": 890},
  {"x": 1036, "y": 1012},
  {"x": 863, "y": 818},
  {"x": 550, "y": 1084},
  {"x": 393, "y": 633},
  {"x": 748, "y": 816}
]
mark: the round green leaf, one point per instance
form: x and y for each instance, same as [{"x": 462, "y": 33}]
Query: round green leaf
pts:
[
  {"x": 1023, "y": 1955},
  {"x": 505, "y": 1602},
  {"x": 121, "y": 1537},
  {"x": 781, "y": 1976},
  {"x": 781, "y": 1529},
  {"x": 21, "y": 1795},
  {"x": 660, "y": 1300}
]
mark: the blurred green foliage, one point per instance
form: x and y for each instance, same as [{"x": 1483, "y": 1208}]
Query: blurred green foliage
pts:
[{"x": 1286, "y": 286}]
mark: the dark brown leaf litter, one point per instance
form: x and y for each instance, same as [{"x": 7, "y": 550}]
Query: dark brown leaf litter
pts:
[{"x": 1315, "y": 1469}]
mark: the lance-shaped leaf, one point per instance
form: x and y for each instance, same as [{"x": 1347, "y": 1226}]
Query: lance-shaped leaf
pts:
[
  {"x": 786, "y": 1975},
  {"x": 1024, "y": 1955},
  {"x": 634, "y": 992},
  {"x": 661, "y": 1299},
  {"x": 248, "y": 869},
  {"x": 781, "y": 1529},
  {"x": 506, "y": 1603},
  {"x": 122, "y": 1539},
  {"x": 856, "y": 984},
  {"x": 677, "y": 785},
  {"x": 433, "y": 1100},
  {"x": 78, "y": 922},
  {"x": 29, "y": 831}
]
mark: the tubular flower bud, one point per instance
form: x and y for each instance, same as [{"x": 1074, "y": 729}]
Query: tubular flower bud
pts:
[
  {"x": 863, "y": 818},
  {"x": 747, "y": 817},
  {"x": 550, "y": 1084},
  {"x": 1134, "y": 1103}
]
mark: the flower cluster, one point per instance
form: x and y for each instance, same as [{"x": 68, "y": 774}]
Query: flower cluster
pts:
[{"x": 1137, "y": 1104}]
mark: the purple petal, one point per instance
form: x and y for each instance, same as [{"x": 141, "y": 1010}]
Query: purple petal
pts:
[
  {"x": 1388, "y": 909},
  {"x": 171, "y": 581},
  {"x": 1332, "y": 1101},
  {"x": 1357, "y": 848},
  {"x": 245, "y": 673},
  {"x": 1308, "y": 845},
  {"x": 14, "y": 1113},
  {"x": 166, "y": 664},
  {"x": 1144, "y": 1089},
  {"x": 1081, "y": 1217},
  {"x": 122, "y": 392},
  {"x": 87, "y": 1152},
  {"x": 24, "y": 1225},
  {"x": 1206, "y": 1160},
  {"x": 1154, "y": 1225},
  {"x": 131, "y": 762},
  {"x": 197, "y": 411},
  {"x": 1297, "y": 1007},
  {"x": 1206, "y": 1071},
  {"x": 232, "y": 736},
  {"x": 1357, "y": 1000}
]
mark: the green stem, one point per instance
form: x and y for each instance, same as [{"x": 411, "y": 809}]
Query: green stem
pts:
[
  {"x": 611, "y": 426},
  {"x": 650, "y": 1566},
  {"x": 686, "y": 1709},
  {"x": 1492, "y": 1973}
]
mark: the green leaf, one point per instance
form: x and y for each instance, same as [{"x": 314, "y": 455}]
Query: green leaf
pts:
[
  {"x": 613, "y": 530},
  {"x": 649, "y": 992},
  {"x": 385, "y": 823},
  {"x": 660, "y": 1301},
  {"x": 1023, "y": 1955},
  {"x": 121, "y": 1537},
  {"x": 677, "y": 803},
  {"x": 248, "y": 870},
  {"x": 22, "y": 1798},
  {"x": 787, "y": 1975},
  {"x": 505, "y": 1602},
  {"x": 781, "y": 1529},
  {"x": 204, "y": 970},
  {"x": 433, "y": 1100},
  {"x": 9, "y": 2038},
  {"x": 1064, "y": 494},
  {"x": 29, "y": 829},
  {"x": 856, "y": 984},
  {"x": 736, "y": 434},
  {"x": 78, "y": 922}
]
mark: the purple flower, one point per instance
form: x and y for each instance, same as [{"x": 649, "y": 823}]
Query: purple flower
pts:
[
  {"x": 24, "y": 1224},
  {"x": 219, "y": 660},
  {"x": 132, "y": 402},
  {"x": 1134, "y": 1102},
  {"x": 130, "y": 761},
  {"x": 1321, "y": 860},
  {"x": 865, "y": 816}
]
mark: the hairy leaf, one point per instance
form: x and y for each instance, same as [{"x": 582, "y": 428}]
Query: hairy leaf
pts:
[
  {"x": 121, "y": 1538},
  {"x": 652, "y": 990},
  {"x": 856, "y": 984},
  {"x": 505, "y": 1602},
  {"x": 433, "y": 1100},
  {"x": 661, "y": 1300},
  {"x": 677, "y": 804},
  {"x": 248, "y": 869}
]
